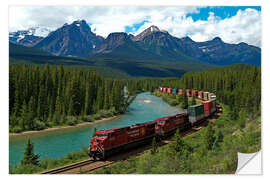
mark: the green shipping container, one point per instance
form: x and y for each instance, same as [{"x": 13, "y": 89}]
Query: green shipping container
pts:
[{"x": 196, "y": 110}]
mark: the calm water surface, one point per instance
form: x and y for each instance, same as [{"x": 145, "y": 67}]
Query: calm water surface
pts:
[{"x": 52, "y": 145}]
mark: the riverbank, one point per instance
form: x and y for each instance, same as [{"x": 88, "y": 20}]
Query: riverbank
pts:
[{"x": 64, "y": 127}]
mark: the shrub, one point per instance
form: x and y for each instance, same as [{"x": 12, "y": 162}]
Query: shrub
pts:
[
  {"x": 96, "y": 116},
  {"x": 88, "y": 118},
  {"x": 16, "y": 129},
  {"x": 71, "y": 120},
  {"x": 39, "y": 125}
]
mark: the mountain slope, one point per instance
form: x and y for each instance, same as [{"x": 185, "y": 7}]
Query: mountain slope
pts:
[
  {"x": 220, "y": 53},
  {"x": 19, "y": 50},
  {"x": 25, "y": 37},
  {"x": 109, "y": 67},
  {"x": 75, "y": 39}
]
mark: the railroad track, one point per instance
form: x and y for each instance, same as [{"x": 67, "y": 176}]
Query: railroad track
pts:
[
  {"x": 88, "y": 165},
  {"x": 91, "y": 165},
  {"x": 68, "y": 167}
]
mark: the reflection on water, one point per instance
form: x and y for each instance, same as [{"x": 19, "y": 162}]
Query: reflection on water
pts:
[{"x": 55, "y": 144}]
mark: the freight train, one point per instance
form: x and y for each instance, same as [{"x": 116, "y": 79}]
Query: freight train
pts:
[{"x": 107, "y": 142}]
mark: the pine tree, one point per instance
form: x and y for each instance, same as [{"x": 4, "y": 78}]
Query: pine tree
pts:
[
  {"x": 31, "y": 114},
  {"x": 185, "y": 100},
  {"x": 177, "y": 142},
  {"x": 24, "y": 116},
  {"x": 193, "y": 102},
  {"x": 154, "y": 149},
  {"x": 209, "y": 137},
  {"x": 70, "y": 108},
  {"x": 29, "y": 157}
]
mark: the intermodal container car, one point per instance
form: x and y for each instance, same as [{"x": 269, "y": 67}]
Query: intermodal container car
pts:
[
  {"x": 188, "y": 92},
  {"x": 200, "y": 94},
  {"x": 194, "y": 93},
  {"x": 209, "y": 96},
  {"x": 214, "y": 108},
  {"x": 169, "y": 90},
  {"x": 174, "y": 91},
  {"x": 164, "y": 89},
  {"x": 208, "y": 105},
  {"x": 180, "y": 91},
  {"x": 195, "y": 113},
  {"x": 212, "y": 96},
  {"x": 205, "y": 96}
]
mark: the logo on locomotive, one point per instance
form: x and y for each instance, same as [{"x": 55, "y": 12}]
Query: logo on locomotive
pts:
[{"x": 143, "y": 131}]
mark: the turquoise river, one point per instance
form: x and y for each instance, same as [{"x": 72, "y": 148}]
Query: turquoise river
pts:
[{"x": 56, "y": 144}]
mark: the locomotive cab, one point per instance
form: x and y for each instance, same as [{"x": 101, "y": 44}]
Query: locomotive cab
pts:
[{"x": 98, "y": 142}]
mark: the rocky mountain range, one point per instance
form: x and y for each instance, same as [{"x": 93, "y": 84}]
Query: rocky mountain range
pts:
[{"x": 77, "y": 39}]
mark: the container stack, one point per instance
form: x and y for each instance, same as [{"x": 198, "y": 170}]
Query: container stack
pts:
[
  {"x": 174, "y": 91},
  {"x": 169, "y": 90},
  {"x": 196, "y": 113}
]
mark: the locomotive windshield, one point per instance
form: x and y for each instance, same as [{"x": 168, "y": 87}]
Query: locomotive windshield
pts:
[
  {"x": 101, "y": 135},
  {"x": 161, "y": 121}
]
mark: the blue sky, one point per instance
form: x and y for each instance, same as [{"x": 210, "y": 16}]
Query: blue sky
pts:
[
  {"x": 203, "y": 13},
  {"x": 220, "y": 11},
  {"x": 233, "y": 24}
]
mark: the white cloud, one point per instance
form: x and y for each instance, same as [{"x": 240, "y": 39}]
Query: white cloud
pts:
[{"x": 245, "y": 26}]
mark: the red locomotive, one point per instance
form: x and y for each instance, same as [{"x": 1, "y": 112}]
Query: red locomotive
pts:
[
  {"x": 106, "y": 142},
  {"x": 167, "y": 125}
]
